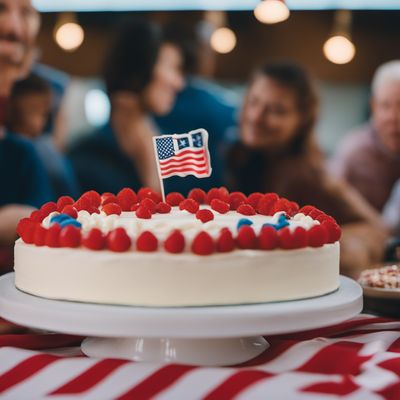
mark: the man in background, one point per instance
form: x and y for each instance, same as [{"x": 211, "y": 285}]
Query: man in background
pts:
[
  {"x": 22, "y": 178},
  {"x": 369, "y": 157}
]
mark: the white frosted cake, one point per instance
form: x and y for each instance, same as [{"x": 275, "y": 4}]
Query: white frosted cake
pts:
[{"x": 209, "y": 249}]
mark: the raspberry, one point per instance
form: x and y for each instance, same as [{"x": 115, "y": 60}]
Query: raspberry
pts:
[
  {"x": 37, "y": 216},
  {"x": 323, "y": 217},
  {"x": 149, "y": 204},
  {"x": 22, "y": 224},
  {"x": 70, "y": 236},
  {"x": 217, "y": 193},
  {"x": 268, "y": 238},
  {"x": 266, "y": 204},
  {"x": 110, "y": 199},
  {"x": 175, "y": 242},
  {"x": 246, "y": 209},
  {"x": 317, "y": 236},
  {"x": 52, "y": 237},
  {"x": 204, "y": 215},
  {"x": 300, "y": 238},
  {"x": 202, "y": 244},
  {"x": 146, "y": 192},
  {"x": 118, "y": 240},
  {"x": 93, "y": 210},
  {"x": 94, "y": 239},
  {"x": 225, "y": 241},
  {"x": 143, "y": 213},
  {"x": 314, "y": 214},
  {"x": 126, "y": 199},
  {"x": 220, "y": 206},
  {"x": 82, "y": 203},
  {"x": 333, "y": 229},
  {"x": 163, "y": 208},
  {"x": 198, "y": 195},
  {"x": 189, "y": 205},
  {"x": 286, "y": 239},
  {"x": 246, "y": 238},
  {"x": 27, "y": 231},
  {"x": 282, "y": 205},
  {"x": 93, "y": 197},
  {"x": 48, "y": 208},
  {"x": 254, "y": 199},
  {"x": 174, "y": 199},
  {"x": 146, "y": 242},
  {"x": 39, "y": 235},
  {"x": 306, "y": 209},
  {"x": 70, "y": 210},
  {"x": 105, "y": 196},
  {"x": 112, "y": 208},
  {"x": 135, "y": 207},
  {"x": 236, "y": 199},
  {"x": 64, "y": 201}
]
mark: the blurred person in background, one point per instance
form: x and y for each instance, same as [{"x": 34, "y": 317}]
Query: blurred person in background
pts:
[
  {"x": 369, "y": 157},
  {"x": 29, "y": 108},
  {"x": 277, "y": 152},
  {"x": 22, "y": 176},
  {"x": 201, "y": 104},
  {"x": 143, "y": 74}
]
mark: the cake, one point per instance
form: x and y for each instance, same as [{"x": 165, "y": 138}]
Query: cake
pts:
[{"x": 214, "y": 248}]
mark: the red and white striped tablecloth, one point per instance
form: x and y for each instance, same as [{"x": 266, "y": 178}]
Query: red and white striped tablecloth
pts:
[{"x": 357, "y": 360}]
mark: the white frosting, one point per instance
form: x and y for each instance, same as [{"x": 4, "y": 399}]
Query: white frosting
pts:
[
  {"x": 162, "y": 224},
  {"x": 162, "y": 279},
  {"x": 186, "y": 279}
]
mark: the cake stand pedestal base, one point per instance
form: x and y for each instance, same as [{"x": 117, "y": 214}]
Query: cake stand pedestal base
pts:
[{"x": 210, "y": 352}]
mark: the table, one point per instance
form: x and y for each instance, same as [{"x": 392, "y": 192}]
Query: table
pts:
[{"x": 357, "y": 359}]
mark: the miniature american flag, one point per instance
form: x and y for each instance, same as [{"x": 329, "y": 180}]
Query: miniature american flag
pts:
[{"x": 184, "y": 154}]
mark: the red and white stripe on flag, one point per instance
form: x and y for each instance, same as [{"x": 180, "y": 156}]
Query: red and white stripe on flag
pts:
[{"x": 183, "y": 154}]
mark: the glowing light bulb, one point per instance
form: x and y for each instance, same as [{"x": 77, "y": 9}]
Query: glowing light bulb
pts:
[
  {"x": 271, "y": 11},
  {"x": 69, "y": 36},
  {"x": 339, "y": 50},
  {"x": 223, "y": 40}
]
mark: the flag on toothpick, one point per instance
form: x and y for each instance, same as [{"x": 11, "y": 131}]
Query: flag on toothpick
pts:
[{"x": 182, "y": 155}]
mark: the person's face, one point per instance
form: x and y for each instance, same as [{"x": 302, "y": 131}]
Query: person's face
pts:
[
  {"x": 31, "y": 112},
  {"x": 386, "y": 115},
  {"x": 19, "y": 24},
  {"x": 269, "y": 118},
  {"x": 159, "y": 96}
]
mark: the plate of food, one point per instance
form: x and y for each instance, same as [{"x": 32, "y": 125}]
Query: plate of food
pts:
[{"x": 381, "y": 287}]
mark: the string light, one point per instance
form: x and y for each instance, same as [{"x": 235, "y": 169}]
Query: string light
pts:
[
  {"x": 223, "y": 40},
  {"x": 68, "y": 34},
  {"x": 271, "y": 11},
  {"x": 339, "y": 48}
]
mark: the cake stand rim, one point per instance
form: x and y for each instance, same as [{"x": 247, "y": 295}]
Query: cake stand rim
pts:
[{"x": 187, "y": 322}]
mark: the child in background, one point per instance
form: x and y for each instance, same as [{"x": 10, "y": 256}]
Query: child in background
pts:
[{"x": 28, "y": 111}]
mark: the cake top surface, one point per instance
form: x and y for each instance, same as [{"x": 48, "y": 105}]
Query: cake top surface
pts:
[{"x": 204, "y": 223}]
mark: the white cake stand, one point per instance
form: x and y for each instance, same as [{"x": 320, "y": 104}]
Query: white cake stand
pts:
[{"x": 220, "y": 335}]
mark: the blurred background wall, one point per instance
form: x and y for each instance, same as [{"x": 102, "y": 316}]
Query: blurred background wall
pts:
[{"x": 344, "y": 89}]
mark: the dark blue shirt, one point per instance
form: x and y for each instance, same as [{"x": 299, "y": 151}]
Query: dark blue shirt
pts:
[
  {"x": 203, "y": 104},
  {"x": 23, "y": 178},
  {"x": 100, "y": 165}
]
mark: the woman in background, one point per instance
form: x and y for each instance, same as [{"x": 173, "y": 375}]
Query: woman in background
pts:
[
  {"x": 142, "y": 74},
  {"x": 277, "y": 152}
]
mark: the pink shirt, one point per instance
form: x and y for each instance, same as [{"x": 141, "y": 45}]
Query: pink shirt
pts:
[{"x": 364, "y": 163}]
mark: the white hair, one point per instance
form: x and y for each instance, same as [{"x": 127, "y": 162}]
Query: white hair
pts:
[{"x": 388, "y": 72}]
